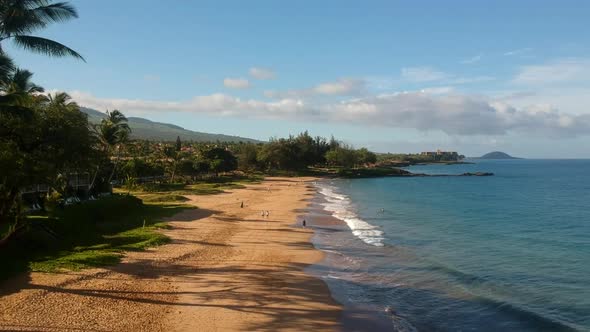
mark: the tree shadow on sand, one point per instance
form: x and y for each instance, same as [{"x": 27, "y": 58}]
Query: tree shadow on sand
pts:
[{"x": 256, "y": 290}]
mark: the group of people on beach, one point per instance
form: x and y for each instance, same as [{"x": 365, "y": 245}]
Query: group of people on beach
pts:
[{"x": 265, "y": 213}]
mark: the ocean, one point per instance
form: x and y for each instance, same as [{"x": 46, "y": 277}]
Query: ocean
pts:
[{"x": 509, "y": 252}]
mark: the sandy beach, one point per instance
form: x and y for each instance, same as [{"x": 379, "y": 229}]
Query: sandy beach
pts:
[{"x": 227, "y": 269}]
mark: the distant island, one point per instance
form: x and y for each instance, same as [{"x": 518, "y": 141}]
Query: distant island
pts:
[{"x": 496, "y": 155}]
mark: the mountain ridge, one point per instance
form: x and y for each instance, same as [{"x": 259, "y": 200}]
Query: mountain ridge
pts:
[{"x": 142, "y": 128}]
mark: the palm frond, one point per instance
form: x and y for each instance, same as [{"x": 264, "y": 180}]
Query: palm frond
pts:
[
  {"x": 45, "y": 46},
  {"x": 6, "y": 68},
  {"x": 62, "y": 100},
  {"x": 56, "y": 12},
  {"x": 21, "y": 82},
  {"x": 26, "y": 16},
  {"x": 18, "y": 18}
]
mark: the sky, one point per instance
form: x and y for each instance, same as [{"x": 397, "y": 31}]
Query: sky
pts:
[{"x": 394, "y": 76}]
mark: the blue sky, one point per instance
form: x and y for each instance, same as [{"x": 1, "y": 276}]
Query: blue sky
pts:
[{"x": 472, "y": 76}]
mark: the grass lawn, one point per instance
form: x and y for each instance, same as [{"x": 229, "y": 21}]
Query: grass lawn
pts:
[
  {"x": 90, "y": 234},
  {"x": 174, "y": 192},
  {"x": 97, "y": 233}
]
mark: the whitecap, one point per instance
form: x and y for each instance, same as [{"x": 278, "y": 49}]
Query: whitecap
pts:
[{"x": 340, "y": 206}]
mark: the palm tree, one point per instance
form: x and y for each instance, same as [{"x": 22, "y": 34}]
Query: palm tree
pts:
[
  {"x": 19, "y": 82},
  {"x": 20, "y": 18},
  {"x": 112, "y": 131},
  {"x": 6, "y": 69},
  {"x": 62, "y": 100},
  {"x": 16, "y": 88}
]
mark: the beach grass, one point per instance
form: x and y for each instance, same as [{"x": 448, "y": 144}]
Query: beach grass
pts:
[
  {"x": 91, "y": 234},
  {"x": 97, "y": 233},
  {"x": 175, "y": 192}
]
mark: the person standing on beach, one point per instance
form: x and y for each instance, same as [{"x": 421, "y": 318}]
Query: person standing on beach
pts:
[
  {"x": 242, "y": 205},
  {"x": 304, "y": 223}
]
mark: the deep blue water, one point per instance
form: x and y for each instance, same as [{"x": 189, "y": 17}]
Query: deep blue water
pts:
[{"x": 510, "y": 252}]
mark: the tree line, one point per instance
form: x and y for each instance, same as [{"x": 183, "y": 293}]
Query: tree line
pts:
[
  {"x": 190, "y": 160},
  {"x": 45, "y": 138}
]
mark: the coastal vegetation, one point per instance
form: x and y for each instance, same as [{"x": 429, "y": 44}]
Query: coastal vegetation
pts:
[
  {"x": 75, "y": 193},
  {"x": 406, "y": 159},
  {"x": 89, "y": 234},
  {"x": 77, "y": 187}
]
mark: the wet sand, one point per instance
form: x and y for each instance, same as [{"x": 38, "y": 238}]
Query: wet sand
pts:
[{"x": 329, "y": 230}]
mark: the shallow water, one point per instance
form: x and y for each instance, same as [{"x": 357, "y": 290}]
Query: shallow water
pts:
[{"x": 504, "y": 253}]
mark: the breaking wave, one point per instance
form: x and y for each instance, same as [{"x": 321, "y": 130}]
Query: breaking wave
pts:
[{"x": 340, "y": 206}]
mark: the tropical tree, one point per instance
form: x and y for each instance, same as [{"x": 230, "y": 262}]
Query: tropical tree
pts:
[
  {"x": 112, "y": 132},
  {"x": 173, "y": 157},
  {"x": 40, "y": 145},
  {"x": 40, "y": 137},
  {"x": 19, "y": 82},
  {"x": 283, "y": 153},
  {"x": 342, "y": 156},
  {"x": 365, "y": 156},
  {"x": 20, "y": 18},
  {"x": 178, "y": 145},
  {"x": 247, "y": 155},
  {"x": 220, "y": 160},
  {"x": 6, "y": 68}
]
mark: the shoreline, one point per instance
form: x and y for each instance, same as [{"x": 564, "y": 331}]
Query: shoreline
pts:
[
  {"x": 355, "y": 316},
  {"x": 283, "y": 295},
  {"x": 226, "y": 268}
]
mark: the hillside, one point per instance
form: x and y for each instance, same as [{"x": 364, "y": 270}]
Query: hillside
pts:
[
  {"x": 497, "y": 155},
  {"x": 158, "y": 131}
]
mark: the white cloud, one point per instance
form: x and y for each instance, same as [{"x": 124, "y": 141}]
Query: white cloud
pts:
[
  {"x": 422, "y": 74},
  {"x": 472, "y": 60},
  {"x": 236, "y": 83},
  {"x": 262, "y": 73},
  {"x": 341, "y": 87},
  {"x": 439, "y": 90},
  {"x": 555, "y": 72},
  {"x": 451, "y": 114},
  {"x": 381, "y": 82}
]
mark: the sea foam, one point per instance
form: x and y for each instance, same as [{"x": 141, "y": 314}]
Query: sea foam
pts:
[{"x": 340, "y": 206}]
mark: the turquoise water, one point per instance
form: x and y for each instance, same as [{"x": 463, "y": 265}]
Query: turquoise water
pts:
[{"x": 509, "y": 252}]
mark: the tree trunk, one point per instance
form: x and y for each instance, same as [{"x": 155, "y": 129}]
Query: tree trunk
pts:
[
  {"x": 93, "y": 178},
  {"x": 116, "y": 163},
  {"x": 173, "y": 173}
]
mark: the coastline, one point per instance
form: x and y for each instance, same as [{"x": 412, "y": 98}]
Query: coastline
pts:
[
  {"x": 331, "y": 234},
  {"x": 226, "y": 268},
  {"x": 269, "y": 288}
]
